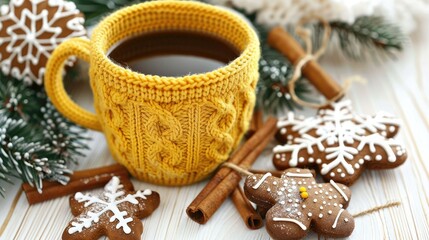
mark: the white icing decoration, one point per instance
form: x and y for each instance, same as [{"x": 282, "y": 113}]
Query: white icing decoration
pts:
[
  {"x": 300, "y": 224},
  {"x": 301, "y": 175},
  {"x": 336, "y": 219},
  {"x": 20, "y": 36},
  {"x": 338, "y": 129},
  {"x": 261, "y": 180},
  {"x": 112, "y": 197},
  {"x": 339, "y": 190}
]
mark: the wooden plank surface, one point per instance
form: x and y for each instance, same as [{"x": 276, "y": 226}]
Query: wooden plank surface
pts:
[{"x": 400, "y": 87}]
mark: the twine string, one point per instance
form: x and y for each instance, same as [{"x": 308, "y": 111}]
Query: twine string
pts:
[
  {"x": 245, "y": 172},
  {"x": 305, "y": 35},
  {"x": 377, "y": 208},
  {"x": 235, "y": 167}
]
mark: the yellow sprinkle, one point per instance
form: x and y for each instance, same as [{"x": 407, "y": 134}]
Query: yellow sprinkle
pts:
[
  {"x": 302, "y": 189},
  {"x": 304, "y": 195}
]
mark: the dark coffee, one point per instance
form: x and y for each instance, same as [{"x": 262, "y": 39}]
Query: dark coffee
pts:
[{"x": 173, "y": 53}]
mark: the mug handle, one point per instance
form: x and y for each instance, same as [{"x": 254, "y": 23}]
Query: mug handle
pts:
[{"x": 54, "y": 86}]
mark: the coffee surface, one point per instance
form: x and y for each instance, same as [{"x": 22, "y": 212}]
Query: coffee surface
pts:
[{"x": 173, "y": 53}]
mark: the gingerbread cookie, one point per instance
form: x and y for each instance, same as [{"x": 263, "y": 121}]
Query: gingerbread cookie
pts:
[
  {"x": 297, "y": 203},
  {"x": 339, "y": 143},
  {"x": 115, "y": 213},
  {"x": 30, "y": 30}
]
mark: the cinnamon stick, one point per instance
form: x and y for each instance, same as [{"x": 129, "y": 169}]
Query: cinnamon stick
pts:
[
  {"x": 256, "y": 123},
  {"x": 251, "y": 218},
  {"x": 281, "y": 40},
  {"x": 252, "y": 128},
  {"x": 79, "y": 181},
  {"x": 259, "y": 119},
  {"x": 262, "y": 211},
  {"x": 226, "y": 180}
]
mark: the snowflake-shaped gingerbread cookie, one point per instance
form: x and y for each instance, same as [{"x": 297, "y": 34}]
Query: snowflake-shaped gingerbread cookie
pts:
[
  {"x": 339, "y": 143},
  {"x": 115, "y": 213},
  {"x": 296, "y": 203},
  {"x": 30, "y": 30}
]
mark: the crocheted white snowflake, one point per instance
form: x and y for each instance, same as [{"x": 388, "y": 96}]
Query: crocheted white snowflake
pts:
[
  {"x": 404, "y": 13},
  {"x": 30, "y": 30},
  {"x": 339, "y": 143}
]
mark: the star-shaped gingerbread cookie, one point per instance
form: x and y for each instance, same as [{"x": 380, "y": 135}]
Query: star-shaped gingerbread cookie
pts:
[
  {"x": 339, "y": 143},
  {"x": 297, "y": 203},
  {"x": 115, "y": 213}
]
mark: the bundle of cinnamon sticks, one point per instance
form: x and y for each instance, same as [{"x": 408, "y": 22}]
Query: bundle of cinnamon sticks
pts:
[
  {"x": 226, "y": 180},
  {"x": 79, "y": 181}
]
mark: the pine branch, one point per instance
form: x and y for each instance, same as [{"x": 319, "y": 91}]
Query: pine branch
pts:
[
  {"x": 36, "y": 142},
  {"x": 273, "y": 90},
  {"x": 275, "y": 72},
  {"x": 21, "y": 153},
  {"x": 368, "y": 37}
]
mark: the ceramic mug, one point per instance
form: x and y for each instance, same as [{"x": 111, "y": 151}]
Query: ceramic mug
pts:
[{"x": 165, "y": 130}]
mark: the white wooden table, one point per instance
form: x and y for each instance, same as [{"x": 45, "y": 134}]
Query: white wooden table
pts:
[{"x": 400, "y": 87}]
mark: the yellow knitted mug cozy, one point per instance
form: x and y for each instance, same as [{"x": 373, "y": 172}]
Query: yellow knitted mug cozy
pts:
[{"x": 165, "y": 130}]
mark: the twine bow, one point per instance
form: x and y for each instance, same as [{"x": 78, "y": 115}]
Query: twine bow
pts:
[{"x": 305, "y": 35}]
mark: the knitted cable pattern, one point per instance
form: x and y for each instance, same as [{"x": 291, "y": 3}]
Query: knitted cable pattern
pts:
[{"x": 166, "y": 130}]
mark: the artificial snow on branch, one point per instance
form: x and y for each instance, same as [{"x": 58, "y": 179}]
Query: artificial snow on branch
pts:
[{"x": 36, "y": 142}]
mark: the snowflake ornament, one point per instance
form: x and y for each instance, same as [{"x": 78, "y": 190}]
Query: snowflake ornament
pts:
[
  {"x": 30, "y": 30},
  {"x": 115, "y": 213},
  {"x": 339, "y": 143},
  {"x": 296, "y": 202}
]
